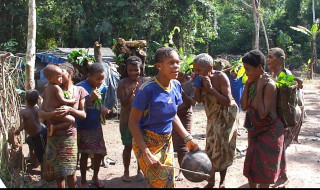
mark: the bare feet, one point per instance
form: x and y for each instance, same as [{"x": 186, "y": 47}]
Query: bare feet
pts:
[
  {"x": 126, "y": 177},
  {"x": 222, "y": 186},
  {"x": 140, "y": 176},
  {"x": 51, "y": 130},
  {"x": 84, "y": 184},
  {"x": 97, "y": 183},
  {"x": 209, "y": 185},
  {"x": 179, "y": 177},
  {"x": 281, "y": 182}
]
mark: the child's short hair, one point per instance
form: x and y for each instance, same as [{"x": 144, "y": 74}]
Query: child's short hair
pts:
[
  {"x": 95, "y": 68},
  {"x": 134, "y": 60},
  {"x": 50, "y": 70},
  {"x": 32, "y": 97}
]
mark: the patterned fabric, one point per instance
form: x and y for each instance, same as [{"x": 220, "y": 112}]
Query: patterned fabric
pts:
[
  {"x": 265, "y": 158},
  {"x": 161, "y": 146},
  {"x": 185, "y": 116},
  {"x": 222, "y": 123},
  {"x": 91, "y": 141},
  {"x": 60, "y": 157}
]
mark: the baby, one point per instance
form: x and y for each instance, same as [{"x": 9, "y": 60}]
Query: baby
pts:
[{"x": 54, "y": 97}]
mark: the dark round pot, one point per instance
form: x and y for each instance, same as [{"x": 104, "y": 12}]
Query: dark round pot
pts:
[{"x": 197, "y": 161}]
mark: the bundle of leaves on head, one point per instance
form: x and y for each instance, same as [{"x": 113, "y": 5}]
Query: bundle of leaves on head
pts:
[
  {"x": 80, "y": 57},
  {"x": 238, "y": 68}
]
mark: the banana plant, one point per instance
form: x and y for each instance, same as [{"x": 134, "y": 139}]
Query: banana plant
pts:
[{"x": 312, "y": 34}]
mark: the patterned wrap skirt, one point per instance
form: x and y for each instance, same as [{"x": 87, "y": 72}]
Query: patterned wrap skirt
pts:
[
  {"x": 91, "y": 141},
  {"x": 265, "y": 158},
  {"x": 60, "y": 157},
  {"x": 160, "y": 145}
]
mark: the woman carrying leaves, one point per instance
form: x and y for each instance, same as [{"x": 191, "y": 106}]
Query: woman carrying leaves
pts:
[
  {"x": 265, "y": 157},
  {"x": 90, "y": 135},
  {"x": 275, "y": 61}
]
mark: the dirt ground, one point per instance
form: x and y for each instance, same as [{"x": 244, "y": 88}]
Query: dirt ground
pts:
[{"x": 303, "y": 160}]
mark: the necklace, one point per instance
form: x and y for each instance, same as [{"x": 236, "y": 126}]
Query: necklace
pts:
[{"x": 252, "y": 90}]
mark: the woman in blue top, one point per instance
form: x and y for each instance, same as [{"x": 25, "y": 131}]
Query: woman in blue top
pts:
[
  {"x": 90, "y": 135},
  {"x": 152, "y": 117}
]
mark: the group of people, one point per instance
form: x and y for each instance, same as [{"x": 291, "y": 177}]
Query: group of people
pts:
[{"x": 156, "y": 120}]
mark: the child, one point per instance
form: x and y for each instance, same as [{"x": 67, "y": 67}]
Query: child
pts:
[
  {"x": 127, "y": 88},
  {"x": 29, "y": 121},
  {"x": 54, "y": 98},
  {"x": 90, "y": 135},
  {"x": 236, "y": 87}
]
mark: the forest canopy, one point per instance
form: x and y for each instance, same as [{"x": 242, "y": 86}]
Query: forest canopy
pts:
[{"x": 217, "y": 27}]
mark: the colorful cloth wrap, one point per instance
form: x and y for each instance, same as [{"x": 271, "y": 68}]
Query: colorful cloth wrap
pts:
[
  {"x": 91, "y": 141},
  {"x": 265, "y": 158},
  {"x": 61, "y": 157},
  {"x": 161, "y": 146}
]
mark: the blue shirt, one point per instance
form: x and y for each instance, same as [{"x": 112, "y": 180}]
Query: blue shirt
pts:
[
  {"x": 159, "y": 105},
  {"x": 92, "y": 121},
  {"x": 236, "y": 89}
]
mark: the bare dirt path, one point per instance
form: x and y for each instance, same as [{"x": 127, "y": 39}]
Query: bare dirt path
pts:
[{"x": 303, "y": 160}]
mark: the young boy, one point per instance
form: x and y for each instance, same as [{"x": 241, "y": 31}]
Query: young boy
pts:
[
  {"x": 54, "y": 98},
  {"x": 29, "y": 121}
]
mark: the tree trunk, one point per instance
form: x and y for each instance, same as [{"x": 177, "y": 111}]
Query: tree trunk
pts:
[
  {"x": 256, "y": 20},
  {"x": 97, "y": 52},
  {"x": 31, "y": 46},
  {"x": 313, "y": 56}
]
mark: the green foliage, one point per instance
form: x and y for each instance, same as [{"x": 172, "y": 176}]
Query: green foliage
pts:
[
  {"x": 97, "y": 102},
  {"x": 80, "y": 57},
  {"x": 239, "y": 69},
  {"x": 67, "y": 94},
  {"x": 9, "y": 46},
  {"x": 285, "y": 80}
]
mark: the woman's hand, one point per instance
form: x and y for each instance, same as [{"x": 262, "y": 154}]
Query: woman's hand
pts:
[
  {"x": 62, "y": 110},
  {"x": 206, "y": 82},
  {"x": 262, "y": 82},
  {"x": 95, "y": 94},
  {"x": 192, "y": 145},
  {"x": 151, "y": 160},
  {"x": 105, "y": 111}
]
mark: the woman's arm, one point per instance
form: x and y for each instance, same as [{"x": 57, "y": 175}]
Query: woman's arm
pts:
[
  {"x": 47, "y": 115},
  {"x": 245, "y": 96},
  {"x": 197, "y": 95},
  {"x": 134, "y": 118},
  {"x": 78, "y": 113}
]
